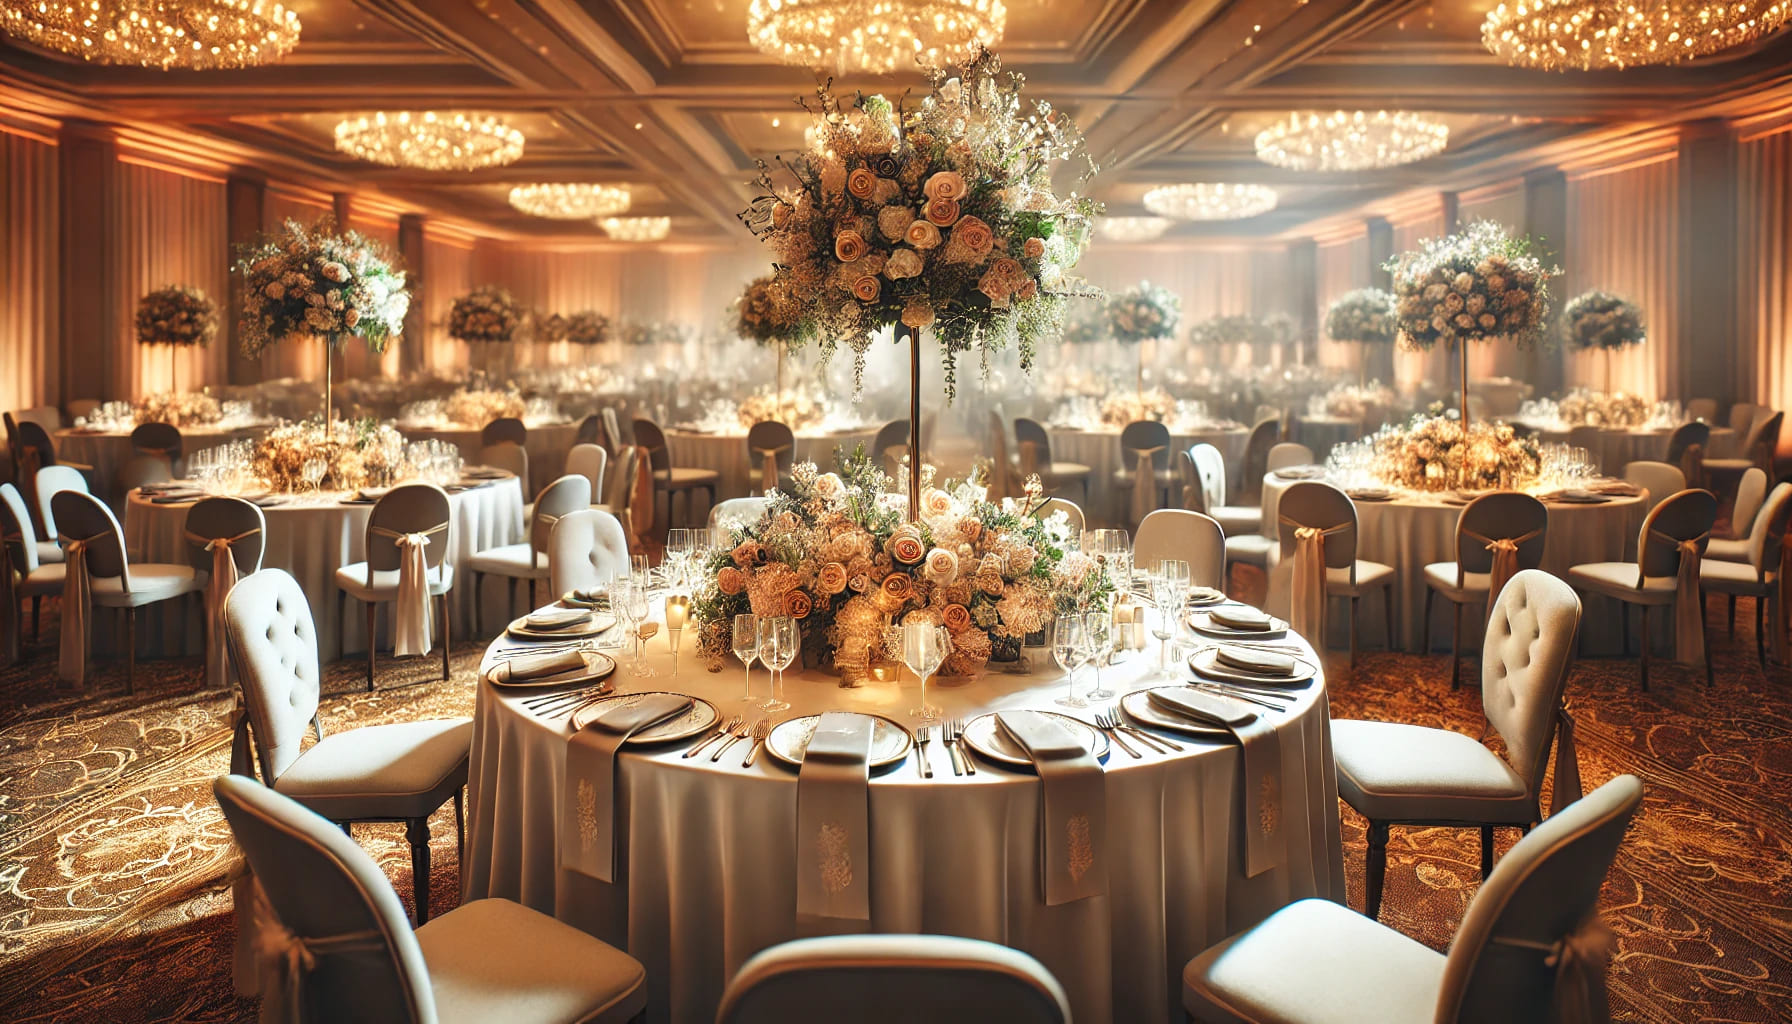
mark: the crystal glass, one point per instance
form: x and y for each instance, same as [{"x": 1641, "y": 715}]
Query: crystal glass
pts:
[
  {"x": 1166, "y": 596},
  {"x": 1099, "y": 637},
  {"x": 639, "y": 568},
  {"x": 312, "y": 472},
  {"x": 1068, "y": 649},
  {"x": 632, "y": 597},
  {"x": 778, "y": 643},
  {"x": 746, "y": 647},
  {"x": 924, "y": 648},
  {"x": 678, "y": 555}
]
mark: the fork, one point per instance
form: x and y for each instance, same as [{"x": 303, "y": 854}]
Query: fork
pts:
[
  {"x": 1118, "y": 724},
  {"x": 1105, "y": 723},
  {"x": 738, "y": 731},
  {"x": 922, "y": 737},
  {"x": 714, "y": 734},
  {"x": 957, "y": 727},
  {"x": 761, "y": 729}
]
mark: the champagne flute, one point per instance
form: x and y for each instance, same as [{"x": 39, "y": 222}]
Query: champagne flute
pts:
[
  {"x": 678, "y": 553},
  {"x": 638, "y": 567},
  {"x": 924, "y": 647},
  {"x": 636, "y": 599},
  {"x": 1067, "y": 648},
  {"x": 746, "y": 646},
  {"x": 1099, "y": 636},
  {"x": 1166, "y": 594},
  {"x": 771, "y": 637}
]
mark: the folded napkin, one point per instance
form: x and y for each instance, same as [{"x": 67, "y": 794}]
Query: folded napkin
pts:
[
  {"x": 1073, "y": 823},
  {"x": 833, "y": 819},
  {"x": 1204, "y": 594},
  {"x": 537, "y": 666},
  {"x": 1240, "y": 617},
  {"x": 1262, "y": 775},
  {"x": 549, "y": 619},
  {"x": 1263, "y": 663},
  {"x": 587, "y": 823}
]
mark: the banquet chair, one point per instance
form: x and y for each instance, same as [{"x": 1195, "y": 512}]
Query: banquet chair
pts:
[
  {"x": 1742, "y": 417},
  {"x": 1321, "y": 506},
  {"x": 1033, "y": 446},
  {"x": 1687, "y": 447},
  {"x": 404, "y": 511},
  {"x": 1489, "y": 526},
  {"x": 1264, "y": 436},
  {"x": 158, "y": 440},
  {"x": 528, "y": 559},
  {"x": 769, "y": 439},
  {"x": 1702, "y": 410},
  {"x": 1587, "y": 436},
  {"x": 504, "y": 430},
  {"x": 225, "y": 537},
  {"x": 1397, "y": 774},
  {"x": 26, "y": 573},
  {"x": 890, "y": 445},
  {"x": 1758, "y": 446},
  {"x": 1073, "y": 513},
  {"x": 113, "y": 582},
  {"x": 1188, "y": 536},
  {"x": 730, "y": 512},
  {"x": 589, "y": 461},
  {"x": 1660, "y": 479},
  {"x": 1287, "y": 454},
  {"x": 1751, "y": 491},
  {"x": 1236, "y": 520},
  {"x": 142, "y": 471},
  {"x": 1681, "y": 522},
  {"x": 586, "y": 550},
  {"x": 893, "y": 979},
  {"x": 669, "y": 479},
  {"x": 1509, "y": 960},
  {"x": 1144, "y": 446},
  {"x": 1759, "y": 577},
  {"x": 38, "y": 452},
  {"x": 591, "y": 431},
  {"x": 51, "y": 481},
  {"x": 614, "y": 442}
]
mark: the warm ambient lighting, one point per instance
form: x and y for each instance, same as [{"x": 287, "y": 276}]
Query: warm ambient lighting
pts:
[
  {"x": 1350, "y": 140},
  {"x": 569, "y": 201},
  {"x": 1210, "y": 201},
  {"x": 1132, "y": 229},
  {"x": 1556, "y": 35},
  {"x": 430, "y": 140},
  {"x": 878, "y": 36},
  {"x": 195, "y": 34},
  {"x": 637, "y": 229}
]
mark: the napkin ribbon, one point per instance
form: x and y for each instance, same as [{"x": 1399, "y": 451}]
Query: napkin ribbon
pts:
[
  {"x": 833, "y": 819},
  {"x": 1261, "y": 776},
  {"x": 410, "y": 617},
  {"x": 1144, "y": 483},
  {"x": 1579, "y": 959},
  {"x": 217, "y": 588},
  {"x": 768, "y": 468},
  {"x": 283, "y": 959},
  {"x": 1306, "y": 592},
  {"x": 1692, "y": 465},
  {"x": 1073, "y": 813},
  {"x": 588, "y": 821},
  {"x": 1505, "y": 562},
  {"x": 77, "y": 601},
  {"x": 1567, "y": 787},
  {"x": 1689, "y": 610}
]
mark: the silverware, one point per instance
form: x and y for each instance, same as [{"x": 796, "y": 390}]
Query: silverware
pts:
[
  {"x": 964, "y": 756},
  {"x": 718, "y": 732},
  {"x": 922, "y": 736},
  {"x": 1149, "y": 737},
  {"x": 951, "y": 751},
  {"x": 736, "y": 732},
  {"x": 761, "y": 729},
  {"x": 1223, "y": 691},
  {"x": 1105, "y": 722},
  {"x": 568, "y": 710},
  {"x": 1116, "y": 724},
  {"x": 541, "y": 700}
]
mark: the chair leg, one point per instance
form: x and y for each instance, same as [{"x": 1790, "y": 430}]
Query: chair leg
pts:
[
  {"x": 130, "y": 651},
  {"x": 341, "y": 620},
  {"x": 1732, "y": 614},
  {"x": 1626, "y": 611},
  {"x": 460, "y": 821},
  {"x": 510, "y": 597},
  {"x": 1353, "y": 603},
  {"x": 478, "y": 619},
  {"x": 447, "y": 637},
  {"x": 416, "y": 832},
  {"x": 1430, "y": 596},
  {"x": 37, "y": 609},
  {"x": 373, "y": 632},
  {"x": 1456, "y": 650},
  {"x": 1645, "y": 641},
  {"x": 534, "y": 599},
  {"x": 1375, "y": 868},
  {"x": 1705, "y": 642},
  {"x": 1486, "y": 852},
  {"x": 1760, "y": 629},
  {"x": 1387, "y": 608}
]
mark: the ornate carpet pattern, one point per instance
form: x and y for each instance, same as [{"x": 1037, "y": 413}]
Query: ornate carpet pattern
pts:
[{"x": 113, "y": 857}]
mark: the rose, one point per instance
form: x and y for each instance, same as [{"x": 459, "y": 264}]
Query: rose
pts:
[
  {"x": 861, "y": 183},
  {"x": 832, "y": 578},
  {"x": 898, "y": 586},
  {"x": 935, "y": 503},
  {"x": 972, "y": 528},
  {"x": 859, "y": 583},
  {"x": 996, "y": 287},
  {"x": 334, "y": 271},
  {"x": 922, "y": 234},
  {"x": 866, "y": 289},
  {"x": 973, "y": 234},
  {"x": 894, "y": 221},
  {"x": 886, "y": 166},
  {"x": 1027, "y": 290},
  {"x": 1034, "y": 248},
  {"x": 917, "y": 314},
  {"x": 941, "y": 211},
  {"x": 798, "y": 605},
  {"x": 830, "y": 486},
  {"x": 1009, "y": 269},
  {"x": 903, "y": 263},
  {"x": 275, "y": 290},
  {"x": 945, "y": 185},
  {"x": 730, "y": 580},
  {"x": 747, "y": 553},
  {"x": 956, "y": 617},
  {"x": 942, "y": 566},
  {"x": 907, "y": 549},
  {"x": 849, "y": 246}
]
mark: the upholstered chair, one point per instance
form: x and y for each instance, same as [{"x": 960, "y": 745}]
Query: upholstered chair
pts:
[
  {"x": 25, "y": 574},
  {"x": 1188, "y": 536},
  {"x": 1004, "y": 481},
  {"x": 404, "y": 771},
  {"x": 614, "y": 440},
  {"x": 890, "y": 445},
  {"x": 1264, "y": 435},
  {"x": 51, "y": 481},
  {"x": 1688, "y": 447},
  {"x": 669, "y": 479},
  {"x": 1144, "y": 443},
  {"x": 893, "y": 979},
  {"x": 225, "y": 537},
  {"x": 508, "y": 456},
  {"x": 405, "y": 512},
  {"x": 736, "y": 512},
  {"x": 1210, "y": 468},
  {"x": 1503, "y": 527},
  {"x": 589, "y": 461},
  {"x": 1314, "y": 505},
  {"x": 1758, "y": 446},
  {"x": 504, "y": 430},
  {"x": 1591, "y": 438},
  {"x": 158, "y": 440},
  {"x": 769, "y": 439},
  {"x": 1759, "y": 577},
  {"x": 1531, "y": 929},
  {"x": 528, "y": 559},
  {"x": 1072, "y": 512},
  {"x": 1395, "y": 774},
  {"x": 1703, "y": 410},
  {"x": 586, "y": 549},
  {"x": 359, "y": 960},
  {"x": 1751, "y": 492},
  {"x": 591, "y": 431},
  {"x": 35, "y": 451},
  {"x": 1034, "y": 449},
  {"x": 1660, "y": 479},
  {"x": 1286, "y": 454},
  {"x": 141, "y": 471}
]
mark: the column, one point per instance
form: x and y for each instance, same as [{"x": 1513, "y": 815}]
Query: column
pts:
[
  {"x": 245, "y": 198},
  {"x": 1707, "y": 260},
  {"x": 92, "y": 321},
  {"x": 1546, "y": 222},
  {"x": 413, "y": 354}
]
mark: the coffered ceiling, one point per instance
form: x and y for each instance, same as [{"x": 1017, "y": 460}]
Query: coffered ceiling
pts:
[{"x": 669, "y": 97}]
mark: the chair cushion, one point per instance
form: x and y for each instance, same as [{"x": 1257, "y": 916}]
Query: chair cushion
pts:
[
  {"x": 1441, "y": 577},
  {"x": 1730, "y": 465},
  {"x": 1165, "y": 477},
  {"x": 1315, "y": 962},
  {"x": 1249, "y": 548},
  {"x": 1734, "y": 578},
  {"x": 1394, "y": 772},
  {"x": 1238, "y": 519},
  {"x": 45, "y": 579},
  {"x": 353, "y": 578},
  {"x": 150, "y": 582},
  {"x": 403, "y": 770},
  {"x": 1067, "y": 470},
  {"x": 48, "y": 551},
  {"x": 511, "y": 560},
  {"x": 1726, "y": 549},
  {"x": 680, "y": 477},
  {"x": 1369, "y": 576},
  {"x": 1618, "y": 579},
  {"x": 492, "y": 960}
]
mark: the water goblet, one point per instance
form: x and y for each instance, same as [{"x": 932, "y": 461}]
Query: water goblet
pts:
[
  {"x": 1068, "y": 650},
  {"x": 633, "y": 597},
  {"x": 924, "y": 648},
  {"x": 746, "y": 646},
  {"x": 777, "y": 648},
  {"x": 678, "y": 554},
  {"x": 1099, "y": 638}
]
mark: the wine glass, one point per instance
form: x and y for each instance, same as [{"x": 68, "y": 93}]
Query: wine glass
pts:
[
  {"x": 746, "y": 646},
  {"x": 777, "y": 648},
  {"x": 638, "y": 568},
  {"x": 634, "y": 597},
  {"x": 1167, "y": 595},
  {"x": 312, "y": 472},
  {"x": 1067, "y": 648},
  {"x": 924, "y": 648},
  {"x": 678, "y": 553},
  {"x": 1099, "y": 636}
]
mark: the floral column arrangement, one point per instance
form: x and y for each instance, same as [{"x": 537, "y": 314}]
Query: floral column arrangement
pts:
[
  {"x": 1141, "y": 314},
  {"x": 1364, "y": 317},
  {"x": 177, "y": 316},
  {"x": 484, "y": 317},
  {"x": 1602, "y": 321},
  {"x": 769, "y": 313}
]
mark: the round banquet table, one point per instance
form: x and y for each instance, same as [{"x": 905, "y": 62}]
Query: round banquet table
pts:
[
  {"x": 1623, "y": 445},
  {"x": 547, "y": 446},
  {"x": 1415, "y": 529},
  {"x": 705, "y": 876},
  {"x": 312, "y": 537},
  {"x": 726, "y": 454},
  {"x": 108, "y": 450},
  {"x": 1323, "y": 433},
  {"x": 1100, "y": 451}
]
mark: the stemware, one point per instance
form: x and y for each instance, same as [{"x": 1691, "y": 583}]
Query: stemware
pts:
[
  {"x": 313, "y": 471},
  {"x": 678, "y": 554},
  {"x": 1067, "y": 648},
  {"x": 1099, "y": 637},
  {"x": 639, "y": 568},
  {"x": 775, "y": 635},
  {"x": 633, "y": 596},
  {"x": 746, "y": 646},
  {"x": 924, "y": 648},
  {"x": 678, "y": 613}
]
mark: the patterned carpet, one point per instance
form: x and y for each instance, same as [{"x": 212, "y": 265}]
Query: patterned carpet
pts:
[{"x": 113, "y": 904}]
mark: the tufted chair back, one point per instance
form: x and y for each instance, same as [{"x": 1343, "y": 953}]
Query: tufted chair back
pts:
[
  {"x": 1750, "y": 492},
  {"x": 1769, "y": 531},
  {"x": 16, "y": 532},
  {"x": 1288, "y": 453},
  {"x": 733, "y": 512},
  {"x": 1541, "y": 897},
  {"x": 1497, "y": 516},
  {"x": 586, "y": 550},
  {"x": 771, "y": 436},
  {"x": 157, "y": 439},
  {"x": 320, "y": 885},
  {"x": 52, "y": 479},
  {"x": 589, "y": 461},
  {"x": 1524, "y": 667},
  {"x": 1210, "y": 468},
  {"x": 1189, "y": 536},
  {"x": 504, "y": 430},
  {"x": 1317, "y": 503},
  {"x": 1678, "y": 517},
  {"x": 1143, "y": 435},
  {"x": 562, "y": 497},
  {"x": 408, "y": 508},
  {"x": 84, "y": 517},
  {"x": 227, "y": 517},
  {"x": 273, "y": 644},
  {"x": 1660, "y": 479}
]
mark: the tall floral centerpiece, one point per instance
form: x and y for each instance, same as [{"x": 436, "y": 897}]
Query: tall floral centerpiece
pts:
[
  {"x": 1143, "y": 313},
  {"x": 587, "y": 328},
  {"x": 177, "y": 316},
  {"x": 940, "y": 215},
  {"x": 1478, "y": 285},
  {"x": 1365, "y": 318},
  {"x": 1227, "y": 332},
  {"x": 311, "y": 282},
  {"x": 769, "y": 312},
  {"x": 1602, "y": 321},
  {"x": 484, "y": 318}
]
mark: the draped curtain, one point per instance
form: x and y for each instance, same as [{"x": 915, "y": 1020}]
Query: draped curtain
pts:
[
  {"x": 1764, "y": 236},
  {"x": 1623, "y": 237},
  {"x": 28, "y": 269},
  {"x": 171, "y": 231},
  {"x": 449, "y": 275},
  {"x": 1339, "y": 267}
]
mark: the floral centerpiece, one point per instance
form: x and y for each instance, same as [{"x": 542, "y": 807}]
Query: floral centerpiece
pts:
[
  {"x": 176, "y": 315},
  {"x": 472, "y": 407},
  {"x": 1354, "y": 401},
  {"x": 550, "y": 329},
  {"x": 796, "y": 411},
  {"x": 769, "y": 311},
  {"x": 1364, "y": 316},
  {"x": 177, "y": 409},
  {"x": 587, "y": 328},
  {"x": 352, "y": 455},
  {"x": 1233, "y": 329},
  {"x": 1436, "y": 451},
  {"x": 834, "y": 554},
  {"x": 1155, "y": 404},
  {"x": 486, "y": 315},
  {"x": 1086, "y": 322},
  {"x": 1601, "y": 320},
  {"x": 1618, "y": 411},
  {"x": 1144, "y": 313}
]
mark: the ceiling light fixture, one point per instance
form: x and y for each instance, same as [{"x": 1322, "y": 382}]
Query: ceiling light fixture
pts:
[
  {"x": 558, "y": 201},
  {"x": 430, "y": 140},
  {"x": 195, "y": 34},
  {"x": 1586, "y": 35},
  {"x": 1351, "y": 140},
  {"x": 1210, "y": 201},
  {"x": 1132, "y": 229},
  {"x": 637, "y": 229},
  {"x": 878, "y": 36}
]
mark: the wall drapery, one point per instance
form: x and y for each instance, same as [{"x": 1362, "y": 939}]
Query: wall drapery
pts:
[
  {"x": 1623, "y": 227},
  {"x": 1764, "y": 233},
  {"x": 28, "y": 268},
  {"x": 170, "y": 231}
]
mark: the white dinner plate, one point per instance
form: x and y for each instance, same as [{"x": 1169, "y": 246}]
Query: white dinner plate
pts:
[
  {"x": 598, "y": 666},
  {"x": 1206, "y": 663},
  {"x": 1201, "y": 597},
  {"x": 701, "y": 716},
  {"x": 890, "y": 742},
  {"x": 1138, "y": 707},
  {"x": 601, "y": 622},
  {"x": 1202, "y": 623},
  {"x": 984, "y": 735}
]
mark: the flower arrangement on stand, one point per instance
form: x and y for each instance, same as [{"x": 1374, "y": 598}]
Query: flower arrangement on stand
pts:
[
  {"x": 1603, "y": 321},
  {"x": 769, "y": 312},
  {"x": 1155, "y": 404},
  {"x": 177, "y": 409},
  {"x": 177, "y": 316},
  {"x": 1437, "y": 451},
  {"x": 1363, "y": 317},
  {"x": 1617, "y": 411},
  {"x": 550, "y": 328},
  {"x": 1086, "y": 322},
  {"x": 475, "y": 408},
  {"x": 1229, "y": 330},
  {"x": 485, "y": 317},
  {"x": 344, "y": 457},
  {"x": 1140, "y": 314},
  {"x": 587, "y": 328},
  {"x": 796, "y": 411}
]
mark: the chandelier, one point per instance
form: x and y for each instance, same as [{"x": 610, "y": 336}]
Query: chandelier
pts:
[
  {"x": 1132, "y": 229},
  {"x": 1210, "y": 201},
  {"x": 430, "y": 140},
  {"x": 569, "y": 201},
  {"x": 637, "y": 229},
  {"x": 1556, "y": 35},
  {"x": 195, "y": 34},
  {"x": 1351, "y": 140},
  {"x": 878, "y": 36}
]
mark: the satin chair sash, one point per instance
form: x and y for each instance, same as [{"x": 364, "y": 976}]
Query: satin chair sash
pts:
[
  {"x": 1144, "y": 483},
  {"x": 274, "y": 962},
  {"x": 410, "y": 615},
  {"x": 1579, "y": 959},
  {"x": 1689, "y": 608},
  {"x": 1306, "y": 592},
  {"x": 768, "y": 467},
  {"x": 217, "y": 588},
  {"x": 77, "y": 611},
  {"x": 1505, "y": 562}
]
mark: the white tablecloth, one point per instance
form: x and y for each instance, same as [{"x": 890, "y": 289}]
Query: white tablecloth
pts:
[
  {"x": 1617, "y": 447},
  {"x": 108, "y": 451},
  {"x": 705, "y": 876},
  {"x": 547, "y": 447},
  {"x": 1410, "y": 532},
  {"x": 312, "y": 539},
  {"x": 1100, "y": 451},
  {"x": 727, "y": 454}
]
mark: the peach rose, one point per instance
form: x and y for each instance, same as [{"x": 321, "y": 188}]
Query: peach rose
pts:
[
  {"x": 747, "y": 553},
  {"x": 945, "y": 185},
  {"x": 942, "y": 565},
  {"x": 935, "y": 503},
  {"x": 974, "y": 235},
  {"x": 1033, "y": 248},
  {"x": 730, "y": 580},
  {"x": 1027, "y": 290},
  {"x": 922, "y": 234},
  {"x": 798, "y": 605},
  {"x": 956, "y": 617},
  {"x": 943, "y": 212},
  {"x": 859, "y": 583},
  {"x": 830, "y": 486},
  {"x": 899, "y": 586},
  {"x": 1008, "y": 268},
  {"x": 907, "y": 549},
  {"x": 832, "y": 578},
  {"x": 861, "y": 183},
  {"x": 866, "y": 289},
  {"x": 849, "y": 246},
  {"x": 903, "y": 263},
  {"x": 972, "y": 528}
]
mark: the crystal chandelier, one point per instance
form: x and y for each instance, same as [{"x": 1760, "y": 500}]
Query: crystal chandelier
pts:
[
  {"x": 1556, "y": 35},
  {"x": 569, "y": 201},
  {"x": 878, "y": 36},
  {"x": 1350, "y": 140},
  {"x": 1132, "y": 229},
  {"x": 194, "y": 34},
  {"x": 430, "y": 140},
  {"x": 1210, "y": 201},
  {"x": 637, "y": 229}
]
